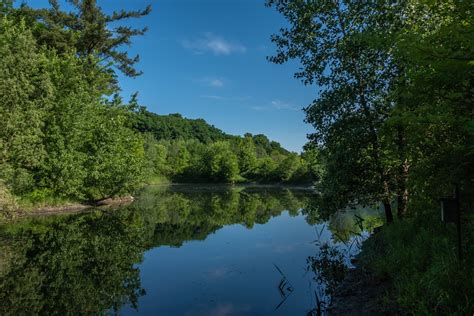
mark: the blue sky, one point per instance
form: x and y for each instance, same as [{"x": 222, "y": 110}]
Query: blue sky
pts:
[{"x": 207, "y": 59}]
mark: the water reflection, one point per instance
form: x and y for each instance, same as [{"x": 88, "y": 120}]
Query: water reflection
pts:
[
  {"x": 349, "y": 228},
  {"x": 128, "y": 260},
  {"x": 186, "y": 213},
  {"x": 78, "y": 264}
]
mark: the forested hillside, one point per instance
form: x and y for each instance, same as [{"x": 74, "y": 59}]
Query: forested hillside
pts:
[
  {"x": 174, "y": 127},
  {"x": 187, "y": 150}
]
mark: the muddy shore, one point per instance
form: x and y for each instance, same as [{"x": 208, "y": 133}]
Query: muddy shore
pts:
[{"x": 362, "y": 292}]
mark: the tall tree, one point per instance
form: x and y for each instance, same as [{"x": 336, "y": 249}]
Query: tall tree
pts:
[
  {"x": 247, "y": 156},
  {"x": 327, "y": 37},
  {"x": 89, "y": 30}
]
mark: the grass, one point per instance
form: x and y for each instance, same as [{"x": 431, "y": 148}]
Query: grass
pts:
[
  {"x": 42, "y": 198},
  {"x": 419, "y": 257}
]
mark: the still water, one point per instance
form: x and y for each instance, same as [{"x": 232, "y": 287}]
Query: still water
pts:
[{"x": 179, "y": 250}]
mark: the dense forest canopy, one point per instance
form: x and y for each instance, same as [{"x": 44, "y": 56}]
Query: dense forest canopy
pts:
[{"x": 175, "y": 127}]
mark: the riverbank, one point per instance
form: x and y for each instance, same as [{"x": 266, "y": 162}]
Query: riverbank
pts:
[
  {"x": 411, "y": 267},
  {"x": 363, "y": 292},
  {"x": 13, "y": 211}
]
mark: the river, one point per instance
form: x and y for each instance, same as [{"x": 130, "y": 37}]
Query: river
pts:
[{"x": 180, "y": 250}]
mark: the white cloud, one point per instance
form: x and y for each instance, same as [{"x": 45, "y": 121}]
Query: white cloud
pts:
[
  {"x": 275, "y": 105},
  {"x": 214, "y": 82},
  {"x": 280, "y": 105},
  {"x": 213, "y": 97},
  {"x": 217, "y": 83},
  {"x": 215, "y": 44}
]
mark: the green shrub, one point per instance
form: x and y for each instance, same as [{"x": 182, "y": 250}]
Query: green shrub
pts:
[{"x": 7, "y": 202}]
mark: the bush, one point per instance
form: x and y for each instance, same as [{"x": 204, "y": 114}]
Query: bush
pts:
[
  {"x": 7, "y": 202},
  {"x": 21, "y": 181}
]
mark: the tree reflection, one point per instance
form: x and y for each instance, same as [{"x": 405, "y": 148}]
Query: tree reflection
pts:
[
  {"x": 75, "y": 264},
  {"x": 186, "y": 213},
  {"x": 349, "y": 228}
]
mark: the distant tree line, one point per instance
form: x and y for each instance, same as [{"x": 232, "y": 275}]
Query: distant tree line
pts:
[{"x": 187, "y": 150}]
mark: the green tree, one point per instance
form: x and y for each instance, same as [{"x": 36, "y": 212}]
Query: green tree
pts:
[
  {"x": 327, "y": 38},
  {"x": 87, "y": 30},
  {"x": 287, "y": 167},
  {"x": 91, "y": 152},
  {"x": 25, "y": 95},
  {"x": 60, "y": 134},
  {"x": 247, "y": 156},
  {"x": 266, "y": 169},
  {"x": 116, "y": 161},
  {"x": 435, "y": 96},
  {"x": 221, "y": 163}
]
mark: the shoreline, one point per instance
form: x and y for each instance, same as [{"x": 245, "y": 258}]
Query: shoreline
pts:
[
  {"x": 70, "y": 208},
  {"x": 361, "y": 292},
  {"x": 203, "y": 185}
]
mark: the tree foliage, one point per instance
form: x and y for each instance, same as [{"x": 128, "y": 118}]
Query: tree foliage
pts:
[
  {"x": 226, "y": 161},
  {"x": 88, "y": 30},
  {"x": 327, "y": 37},
  {"x": 175, "y": 127},
  {"x": 198, "y": 152},
  {"x": 59, "y": 133},
  {"x": 394, "y": 111}
]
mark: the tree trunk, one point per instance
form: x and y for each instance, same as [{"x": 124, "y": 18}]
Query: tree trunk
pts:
[
  {"x": 374, "y": 137},
  {"x": 402, "y": 190},
  {"x": 388, "y": 212}
]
